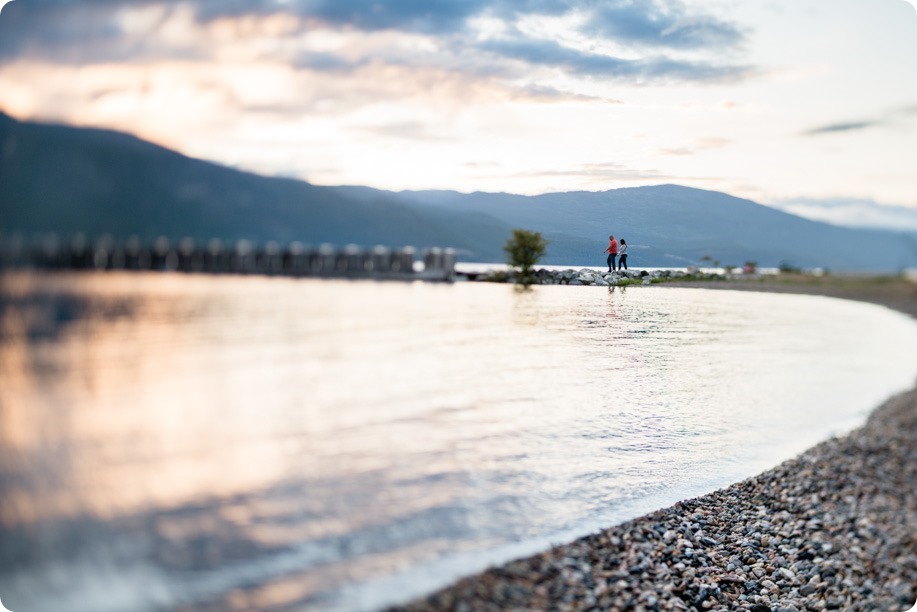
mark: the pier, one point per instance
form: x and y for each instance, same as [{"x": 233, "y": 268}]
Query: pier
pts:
[{"x": 218, "y": 257}]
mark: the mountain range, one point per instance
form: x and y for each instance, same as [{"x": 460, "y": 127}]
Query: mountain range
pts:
[{"x": 62, "y": 179}]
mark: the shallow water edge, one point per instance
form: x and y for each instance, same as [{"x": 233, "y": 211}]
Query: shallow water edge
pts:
[{"x": 825, "y": 530}]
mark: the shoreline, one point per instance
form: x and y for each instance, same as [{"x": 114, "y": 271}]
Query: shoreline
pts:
[{"x": 829, "y": 529}]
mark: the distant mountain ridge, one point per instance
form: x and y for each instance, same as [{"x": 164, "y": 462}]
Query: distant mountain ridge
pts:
[
  {"x": 67, "y": 180},
  {"x": 672, "y": 225}
]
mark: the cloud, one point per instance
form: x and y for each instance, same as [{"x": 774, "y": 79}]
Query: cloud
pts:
[
  {"x": 852, "y": 213},
  {"x": 713, "y": 142},
  {"x": 652, "y": 24},
  {"x": 656, "y": 24},
  {"x": 702, "y": 144},
  {"x": 601, "y": 170},
  {"x": 856, "y": 126},
  {"x": 435, "y": 17},
  {"x": 95, "y": 32},
  {"x": 327, "y": 62},
  {"x": 541, "y": 93},
  {"x": 104, "y": 31},
  {"x": 680, "y": 151},
  {"x": 851, "y": 126},
  {"x": 408, "y": 130},
  {"x": 550, "y": 53}
]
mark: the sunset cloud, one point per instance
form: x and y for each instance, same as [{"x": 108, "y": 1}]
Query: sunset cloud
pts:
[
  {"x": 103, "y": 31},
  {"x": 508, "y": 95}
]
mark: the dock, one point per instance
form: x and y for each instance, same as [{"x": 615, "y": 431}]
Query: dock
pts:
[{"x": 218, "y": 257}]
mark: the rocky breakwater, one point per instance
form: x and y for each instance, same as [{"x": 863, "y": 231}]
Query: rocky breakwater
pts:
[
  {"x": 832, "y": 529},
  {"x": 590, "y": 276}
]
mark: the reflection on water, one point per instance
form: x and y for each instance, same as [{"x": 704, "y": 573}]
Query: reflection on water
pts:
[{"x": 208, "y": 443}]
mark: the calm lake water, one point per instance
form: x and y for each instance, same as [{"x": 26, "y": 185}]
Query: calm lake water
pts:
[{"x": 231, "y": 443}]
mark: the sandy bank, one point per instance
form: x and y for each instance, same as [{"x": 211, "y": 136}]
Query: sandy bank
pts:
[{"x": 896, "y": 293}]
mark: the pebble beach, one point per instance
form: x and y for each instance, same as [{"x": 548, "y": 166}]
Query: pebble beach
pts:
[{"x": 832, "y": 529}]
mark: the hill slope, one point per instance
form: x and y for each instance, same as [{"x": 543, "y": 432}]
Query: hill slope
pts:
[{"x": 68, "y": 180}]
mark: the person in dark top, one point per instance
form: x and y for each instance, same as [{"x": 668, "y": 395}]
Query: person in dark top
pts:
[{"x": 622, "y": 255}]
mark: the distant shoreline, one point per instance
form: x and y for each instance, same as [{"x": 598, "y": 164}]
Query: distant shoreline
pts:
[{"x": 829, "y": 529}]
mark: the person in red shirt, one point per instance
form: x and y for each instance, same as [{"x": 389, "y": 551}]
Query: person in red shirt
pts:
[{"x": 612, "y": 251}]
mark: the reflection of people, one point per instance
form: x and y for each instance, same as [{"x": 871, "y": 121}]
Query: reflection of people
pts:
[
  {"x": 622, "y": 255},
  {"x": 612, "y": 251}
]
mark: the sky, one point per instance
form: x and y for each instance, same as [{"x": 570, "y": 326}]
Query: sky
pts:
[{"x": 804, "y": 101}]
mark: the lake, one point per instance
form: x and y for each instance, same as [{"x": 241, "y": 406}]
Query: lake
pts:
[{"x": 177, "y": 442}]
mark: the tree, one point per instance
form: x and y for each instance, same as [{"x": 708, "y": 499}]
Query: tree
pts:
[{"x": 523, "y": 251}]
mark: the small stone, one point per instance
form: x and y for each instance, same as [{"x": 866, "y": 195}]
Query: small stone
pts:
[{"x": 807, "y": 589}]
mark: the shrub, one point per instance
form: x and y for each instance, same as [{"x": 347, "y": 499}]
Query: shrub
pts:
[{"x": 523, "y": 251}]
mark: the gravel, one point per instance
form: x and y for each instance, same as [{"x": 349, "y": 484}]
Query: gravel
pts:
[{"x": 833, "y": 529}]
